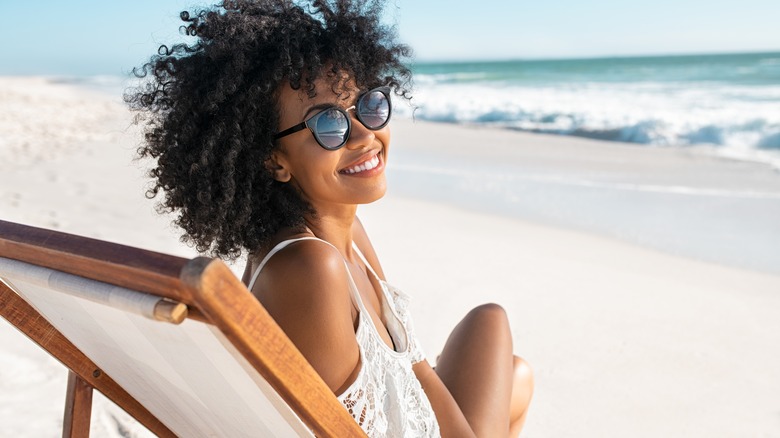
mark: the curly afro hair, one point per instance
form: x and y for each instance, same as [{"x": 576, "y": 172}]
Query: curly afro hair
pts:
[{"x": 211, "y": 108}]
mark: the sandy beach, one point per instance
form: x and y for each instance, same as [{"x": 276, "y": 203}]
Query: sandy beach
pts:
[{"x": 643, "y": 284}]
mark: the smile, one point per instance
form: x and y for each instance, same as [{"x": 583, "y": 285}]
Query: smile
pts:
[{"x": 364, "y": 166}]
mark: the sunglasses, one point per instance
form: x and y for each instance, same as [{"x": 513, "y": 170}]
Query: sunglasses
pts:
[{"x": 331, "y": 126}]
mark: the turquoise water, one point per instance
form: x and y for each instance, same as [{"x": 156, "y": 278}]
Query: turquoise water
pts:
[
  {"x": 754, "y": 69},
  {"x": 730, "y": 103}
]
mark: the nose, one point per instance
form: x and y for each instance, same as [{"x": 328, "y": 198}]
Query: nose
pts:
[{"x": 359, "y": 136}]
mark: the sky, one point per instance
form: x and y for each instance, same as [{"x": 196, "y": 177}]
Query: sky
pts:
[{"x": 85, "y": 37}]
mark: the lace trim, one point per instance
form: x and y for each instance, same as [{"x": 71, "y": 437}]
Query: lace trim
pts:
[
  {"x": 386, "y": 399},
  {"x": 401, "y": 303}
]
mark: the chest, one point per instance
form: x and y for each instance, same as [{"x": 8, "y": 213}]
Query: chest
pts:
[{"x": 370, "y": 291}]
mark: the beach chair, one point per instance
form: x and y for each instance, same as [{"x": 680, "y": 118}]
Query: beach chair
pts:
[{"x": 181, "y": 345}]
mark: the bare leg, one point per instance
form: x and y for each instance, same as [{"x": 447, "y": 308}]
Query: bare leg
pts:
[
  {"x": 476, "y": 365},
  {"x": 522, "y": 391}
]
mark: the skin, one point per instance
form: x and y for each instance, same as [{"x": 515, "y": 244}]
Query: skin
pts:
[{"x": 478, "y": 387}]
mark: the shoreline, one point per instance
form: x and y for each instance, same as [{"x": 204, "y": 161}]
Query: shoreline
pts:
[
  {"x": 675, "y": 200},
  {"x": 113, "y": 87}
]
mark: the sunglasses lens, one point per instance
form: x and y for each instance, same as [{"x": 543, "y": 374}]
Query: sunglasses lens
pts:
[
  {"x": 374, "y": 109},
  {"x": 332, "y": 128}
]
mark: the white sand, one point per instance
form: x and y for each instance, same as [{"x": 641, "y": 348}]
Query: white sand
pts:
[{"x": 625, "y": 341}]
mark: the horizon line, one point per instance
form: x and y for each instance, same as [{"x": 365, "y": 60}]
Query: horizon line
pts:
[{"x": 593, "y": 57}]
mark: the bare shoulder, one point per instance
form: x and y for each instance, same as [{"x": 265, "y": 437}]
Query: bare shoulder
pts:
[
  {"x": 305, "y": 288},
  {"x": 300, "y": 264},
  {"x": 360, "y": 236}
]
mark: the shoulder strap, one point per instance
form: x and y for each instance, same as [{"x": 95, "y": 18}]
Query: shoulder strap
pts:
[
  {"x": 279, "y": 246},
  {"x": 362, "y": 257}
]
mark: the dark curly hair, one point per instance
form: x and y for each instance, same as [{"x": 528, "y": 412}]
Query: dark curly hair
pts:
[{"x": 211, "y": 108}]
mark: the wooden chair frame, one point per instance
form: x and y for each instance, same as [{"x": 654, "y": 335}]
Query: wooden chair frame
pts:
[{"x": 212, "y": 294}]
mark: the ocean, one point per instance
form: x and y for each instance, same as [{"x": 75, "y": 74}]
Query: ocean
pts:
[{"x": 727, "y": 103}]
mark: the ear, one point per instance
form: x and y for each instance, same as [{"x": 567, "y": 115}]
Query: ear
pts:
[{"x": 277, "y": 166}]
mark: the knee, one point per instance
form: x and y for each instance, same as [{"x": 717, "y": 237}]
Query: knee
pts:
[
  {"x": 523, "y": 374},
  {"x": 522, "y": 392},
  {"x": 490, "y": 312},
  {"x": 489, "y": 320}
]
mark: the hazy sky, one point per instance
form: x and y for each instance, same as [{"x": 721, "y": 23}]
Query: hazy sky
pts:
[{"x": 109, "y": 37}]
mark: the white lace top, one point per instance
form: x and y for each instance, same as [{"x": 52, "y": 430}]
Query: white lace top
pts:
[{"x": 386, "y": 399}]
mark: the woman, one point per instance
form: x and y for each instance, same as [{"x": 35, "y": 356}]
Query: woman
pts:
[{"x": 268, "y": 131}]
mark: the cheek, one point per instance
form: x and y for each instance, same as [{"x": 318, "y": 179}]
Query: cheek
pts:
[
  {"x": 316, "y": 165},
  {"x": 383, "y": 135}
]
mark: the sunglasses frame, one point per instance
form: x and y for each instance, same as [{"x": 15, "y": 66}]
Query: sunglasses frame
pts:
[{"x": 311, "y": 121}]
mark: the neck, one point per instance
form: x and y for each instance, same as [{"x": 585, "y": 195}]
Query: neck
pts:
[{"x": 335, "y": 226}]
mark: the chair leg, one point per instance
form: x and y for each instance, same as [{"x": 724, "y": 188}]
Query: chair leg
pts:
[{"x": 78, "y": 408}]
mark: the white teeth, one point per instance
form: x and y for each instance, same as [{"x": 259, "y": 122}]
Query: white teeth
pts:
[{"x": 368, "y": 165}]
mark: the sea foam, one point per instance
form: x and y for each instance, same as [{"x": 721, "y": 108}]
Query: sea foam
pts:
[{"x": 729, "y": 103}]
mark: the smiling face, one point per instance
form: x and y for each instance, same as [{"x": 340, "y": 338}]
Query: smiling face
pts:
[{"x": 353, "y": 174}]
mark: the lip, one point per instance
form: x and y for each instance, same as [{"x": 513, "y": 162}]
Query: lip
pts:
[{"x": 379, "y": 168}]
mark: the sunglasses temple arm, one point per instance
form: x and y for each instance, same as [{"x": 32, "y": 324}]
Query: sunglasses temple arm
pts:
[{"x": 289, "y": 131}]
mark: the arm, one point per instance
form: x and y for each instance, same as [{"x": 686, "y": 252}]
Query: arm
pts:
[
  {"x": 305, "y": 289},
  {"x": 451, "y": 420}
]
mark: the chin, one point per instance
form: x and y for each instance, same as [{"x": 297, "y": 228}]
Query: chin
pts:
[
  {"x": 373, "y": 199},
  {"x": 374, "y": 195}
]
